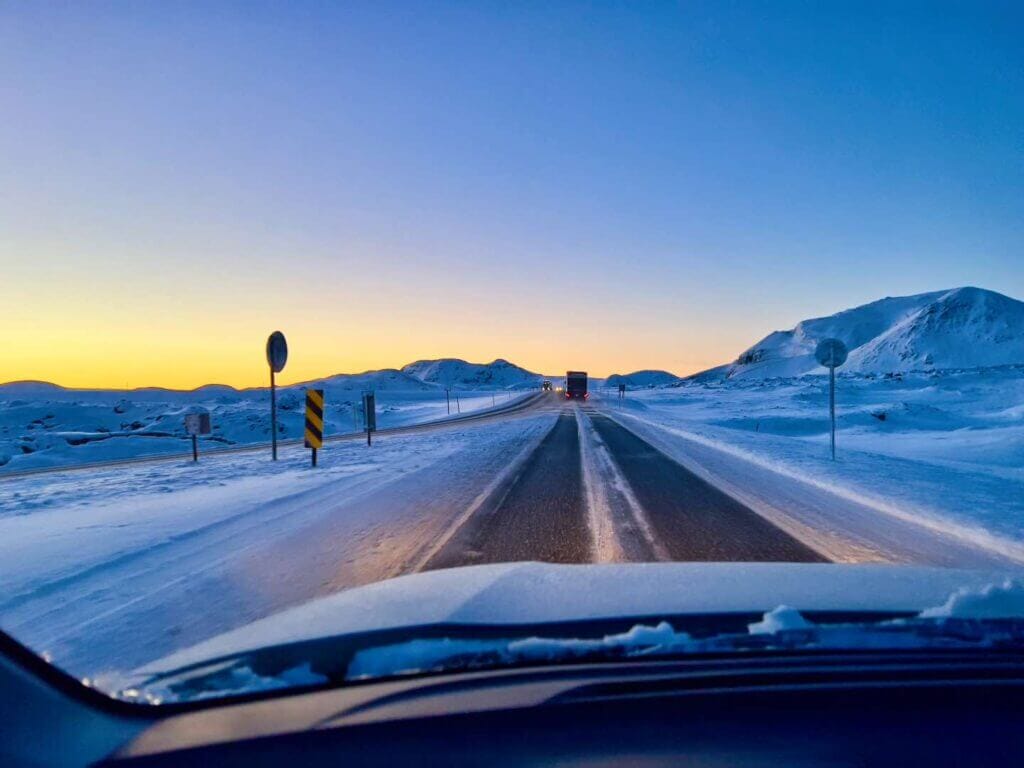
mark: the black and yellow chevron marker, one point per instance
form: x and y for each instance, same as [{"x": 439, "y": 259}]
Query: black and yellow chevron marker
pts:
[{"x": 314, "y": 418}]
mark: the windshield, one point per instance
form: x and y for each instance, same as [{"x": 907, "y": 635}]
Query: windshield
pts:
[{"x": 401, "y": 338}]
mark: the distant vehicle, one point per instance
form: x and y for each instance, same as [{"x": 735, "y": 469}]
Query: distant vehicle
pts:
[
  {"x": 576, "y": 385},
  {"x": 546, "y": 386}
]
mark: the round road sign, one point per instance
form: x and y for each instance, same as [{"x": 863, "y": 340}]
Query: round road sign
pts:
[
  {"x": 277, "y": 351},
  {"x": 831, "y": 353}
]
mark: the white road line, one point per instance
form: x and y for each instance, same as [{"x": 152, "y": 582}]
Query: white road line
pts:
[
  {"x": 605, "y": 467},
  {"x": 830, "y": 544},
  {"x": 605, "y": 545}
]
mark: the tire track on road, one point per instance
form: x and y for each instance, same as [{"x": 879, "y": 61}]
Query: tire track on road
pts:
[
  {"x": 622, "y": 531},
  {"x": 694, "y": 520},
  {"x": 541, "y": 514}
]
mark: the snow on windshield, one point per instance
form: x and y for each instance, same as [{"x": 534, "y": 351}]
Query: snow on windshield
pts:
[
  {"x": 992, "y": 601},
  {"x": 783, "y": 627}
]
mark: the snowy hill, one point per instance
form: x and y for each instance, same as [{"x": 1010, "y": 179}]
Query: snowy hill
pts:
[
  {"x": 43, "y": 424},
  {"x": 452, "y": 372},
  {"x": 959, "y": 328},
  {"x": 641, "y": 379},
  {"x": 384, "y": 379}
]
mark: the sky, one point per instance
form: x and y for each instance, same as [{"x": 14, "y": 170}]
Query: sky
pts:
[{"x": 599, "y": 186}]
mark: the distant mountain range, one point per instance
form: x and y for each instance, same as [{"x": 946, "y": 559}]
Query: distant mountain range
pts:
[
  {"x": 423, "y": 375},
  {"x": 452, "y": 372},
  {"x": 958, "y": 328},
  {"x": 647, "y": 378}
]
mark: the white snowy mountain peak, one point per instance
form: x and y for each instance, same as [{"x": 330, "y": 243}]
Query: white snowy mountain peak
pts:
[
  {"x": 952, "y": 329},
  {"x": 455, "y": 372},
  {"x": 959, "y": 328}
]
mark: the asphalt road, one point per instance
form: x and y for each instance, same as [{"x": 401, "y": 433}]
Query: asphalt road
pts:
[
  {"x": 546, "y": 494},
  {"x": 538, "y": 515},
  {"x": 692, "y": 519},
  {"x": 540, "y": 512}
]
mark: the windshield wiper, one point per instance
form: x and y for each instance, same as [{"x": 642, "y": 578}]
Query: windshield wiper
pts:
[{"x": 781, "y": 630}]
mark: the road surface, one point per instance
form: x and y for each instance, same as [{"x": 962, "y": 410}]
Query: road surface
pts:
[
  {"x": 541, "y": 514},
  {"x": 693, "y": 519},
  {"x": 544, "y": 480}
]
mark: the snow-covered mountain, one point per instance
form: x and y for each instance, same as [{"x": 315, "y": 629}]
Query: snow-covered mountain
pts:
[
  {"x": 642, "y": 379},
  {"x": 452, "y": 372},
  {"x": 958, "y": 328},
  {"x": 43, "y": 424},
  {"x": 384, "y": 379}
]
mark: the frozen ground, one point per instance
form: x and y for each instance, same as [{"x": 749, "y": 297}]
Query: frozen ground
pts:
[
  {"x": 134, "y": 562},
  {"x": 123, "y": 565},
  {"x": 942, "y": 452},
  {"x": 45, "y": 426}
]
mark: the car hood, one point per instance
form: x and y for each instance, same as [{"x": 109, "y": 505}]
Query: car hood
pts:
[{"x": 538, "y": 593}]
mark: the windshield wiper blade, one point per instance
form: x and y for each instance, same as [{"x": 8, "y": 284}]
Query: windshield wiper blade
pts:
[
  {"x": 782, "y": 630},
  {"x": 969, "y": 620}
]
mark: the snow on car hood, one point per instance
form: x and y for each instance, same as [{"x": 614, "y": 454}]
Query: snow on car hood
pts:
[{"x": 536, "y": 593}]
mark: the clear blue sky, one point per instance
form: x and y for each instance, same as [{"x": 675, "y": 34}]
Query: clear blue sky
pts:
[{"x": 603, "y": 185}]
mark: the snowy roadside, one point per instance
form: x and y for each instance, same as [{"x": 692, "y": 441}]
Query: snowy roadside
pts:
[
  {"x": 55, "y": 526},
  {"x": 108, "y": 565},
  {"x": 942, "y": 495},
  {"x": 46, "y": 433}
]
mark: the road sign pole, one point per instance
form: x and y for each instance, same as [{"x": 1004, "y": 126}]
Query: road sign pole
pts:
[
  {"x": 831, "y": 353},
  {"x": 314, "y": 457},
  {"x": 273, "y": 416},
  {"x": 832, "y": 405},
  {"x": 197, "y": 422},
  {"x": 447, "y": 401},
  {"x": 277, "y": 356}
]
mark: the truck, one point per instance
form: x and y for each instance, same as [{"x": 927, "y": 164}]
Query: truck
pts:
[{"x": 576, "y": 385}]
